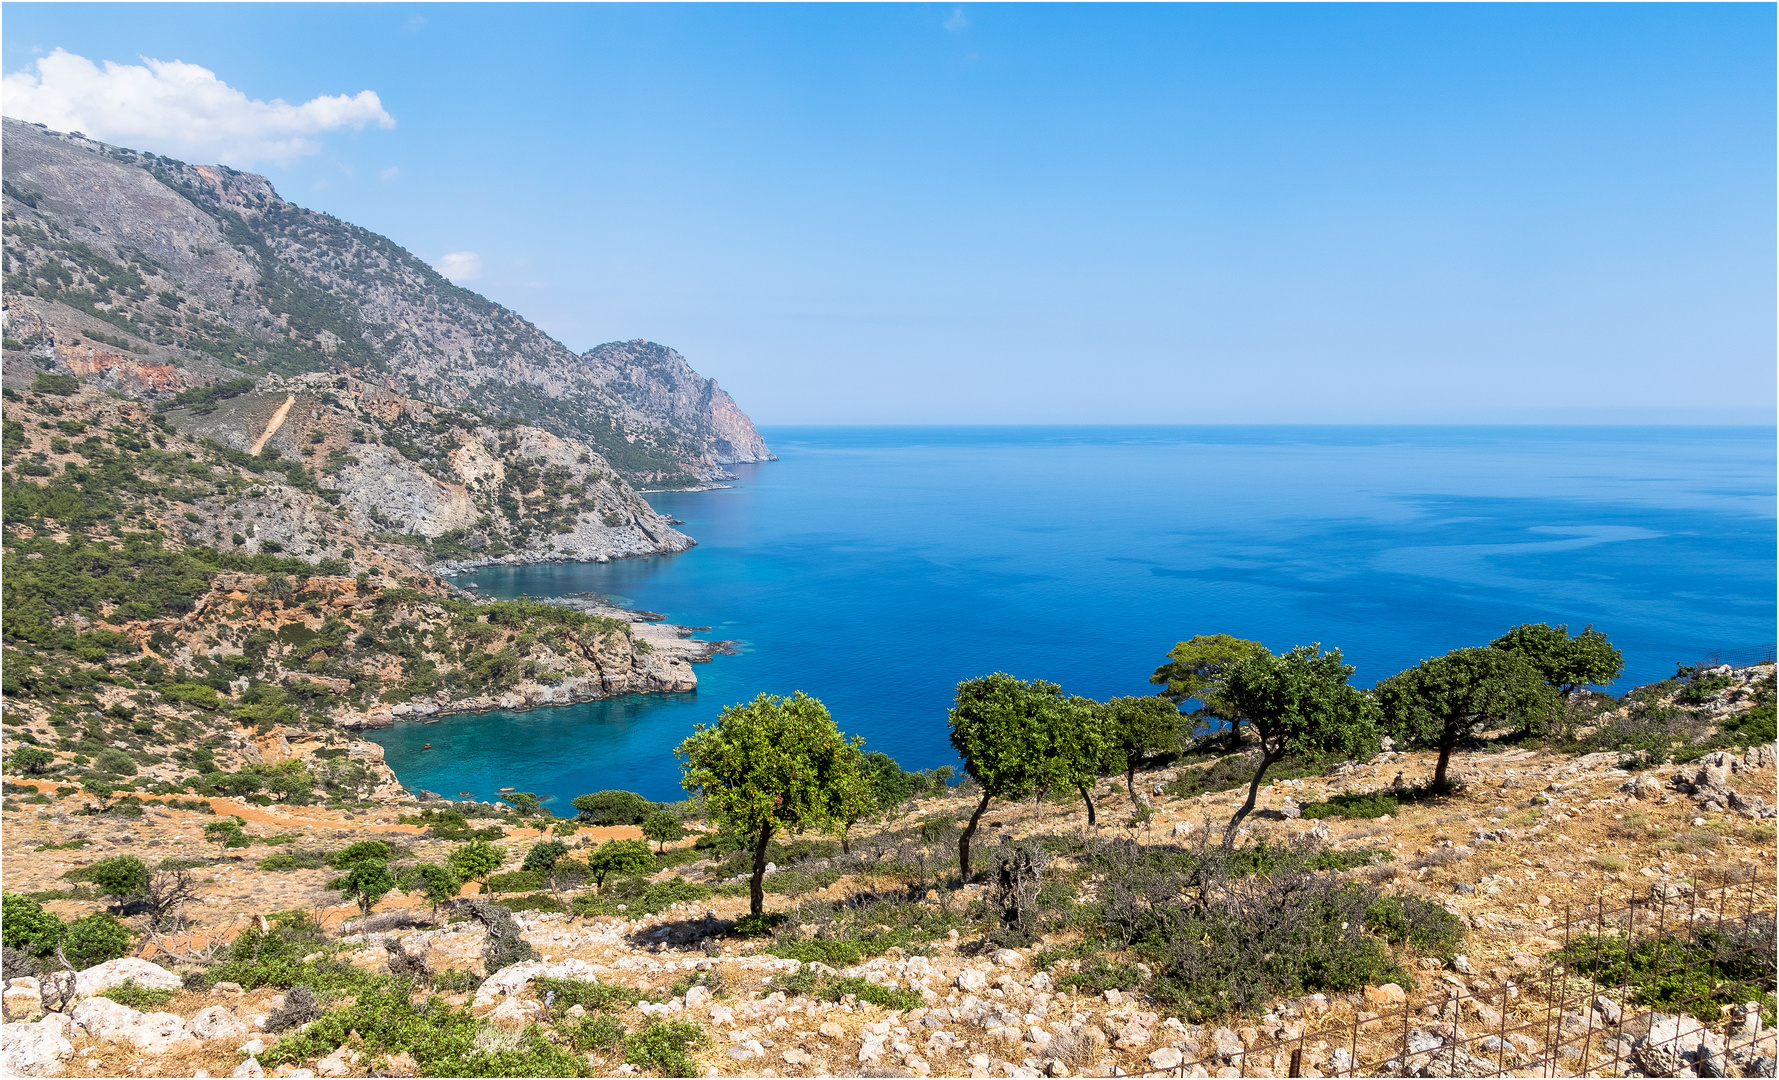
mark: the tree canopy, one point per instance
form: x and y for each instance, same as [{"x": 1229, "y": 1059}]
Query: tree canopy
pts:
[
  {"x": 119, "y": 877},
  {"x": 1017, "y": 736},
  {"x": 475, "y": 860},
  {"x": 613, "y": 807},
  {"x": 1194, "y": 666},
  {"x": 618, "y": 858},
  {"x": 661, "y": 826},
  {"x": 543, "y": 855},
  {"x": 775, "y": 763},
  {"x": 1566, "y": 663},
  {"x": 1435, "y": 703},
  {"x": 1295, "y": 703},
  {"x": 365, "y": 882},
  {"x": 1138, "y": 729}
]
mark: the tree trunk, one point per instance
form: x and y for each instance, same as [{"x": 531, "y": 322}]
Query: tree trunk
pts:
[
  {"x": 846, "y": 839},
  {"x": 756, "y": 892},
  {"x": 1266, "y": 761},
  {"x": 1130, "y": 783},
  {"x": 1088, "y": 799},
  {"x": 1445, "y": 756},
  {"x": 963, "y": 842}
]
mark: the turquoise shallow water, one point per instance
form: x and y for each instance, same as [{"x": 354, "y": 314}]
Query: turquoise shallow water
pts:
[{"x": 876, "y": 567}]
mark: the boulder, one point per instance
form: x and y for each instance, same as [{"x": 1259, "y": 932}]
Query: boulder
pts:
[
  {"x": 1227, "y": 1044},
  {"x": 1387, "y": 994},
  {"x": 972, "y": 981},
  {"x": 1009, "y": 958},
  {"x": 515, "y": 1013},
  {"x": 216, "y": 1022},
  {"x": 151, "y": 1033},
  {"x": 1643, "y": 787},
  {"x": 516, "y": 977},
  {"x": 1165, "y": 1058},
  {"x": 33, "y": 1049},
  {"x": 114, "y": 973},
  {"x": 23, "y": 1000},
  {"x": 339, "y": 1063},
  {"x": 249, "y": 1068}
]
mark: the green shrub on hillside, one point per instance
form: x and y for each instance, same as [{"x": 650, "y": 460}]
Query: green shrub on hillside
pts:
[
  {"x": 1727, "y": 965},
  {"x": 442, "y": 1040},
  {"x": 662, "y": 1046},
  {"x": 1367, "y": 804},
  {"x": 138, "y": 997}
]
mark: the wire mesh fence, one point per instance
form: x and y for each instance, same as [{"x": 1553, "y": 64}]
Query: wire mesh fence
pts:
[{"x": 1677, "y": 982}]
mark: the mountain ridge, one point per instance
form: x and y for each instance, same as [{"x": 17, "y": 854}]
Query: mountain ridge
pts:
[{"x": 208, "y": 272}]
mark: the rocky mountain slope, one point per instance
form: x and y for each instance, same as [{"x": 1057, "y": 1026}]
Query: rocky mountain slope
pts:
[
  {"x": 198, "y": 608},
  {"x": 152, "y": 276}
]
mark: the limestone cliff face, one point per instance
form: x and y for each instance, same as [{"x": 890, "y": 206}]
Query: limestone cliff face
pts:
[
  {"x": 654, "y": 380},
  {"x": 184, "y": 274},
  {"x": 425, "y": 484}
]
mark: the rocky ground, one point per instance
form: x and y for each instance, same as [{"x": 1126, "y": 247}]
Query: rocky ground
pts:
[{"x": 1532, "y": 840}]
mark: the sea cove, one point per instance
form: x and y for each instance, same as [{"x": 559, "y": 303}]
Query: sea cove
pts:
[{"x": 876, "y": 567}]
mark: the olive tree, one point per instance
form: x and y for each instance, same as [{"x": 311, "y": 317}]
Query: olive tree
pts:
[
  {"x": 613, "y": 807},
  {"x": 1016, "y": 736},
  {"x": 122, "y": 877},
  {"x": 1194, "y": 666},
  {"x": 1566, "y": 663},
  {"x": 1294, "y": 703},
  {"x": 30, "y": 759},
  {"x": 1139, "y": 729},
  {"x": 1438, "y": 701},
  {"x": 365, "y": 882},
  {"x": 661, "y": 826},
  {"x": 433, "y": 882},
  {"x": 475, "y": 860},
  {"x": 774, "y": 764},
  {"x": 619, "y": 858}
]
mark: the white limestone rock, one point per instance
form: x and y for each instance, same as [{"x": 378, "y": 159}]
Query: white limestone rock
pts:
[
  {"x": 114, "y": 973},
  {"x": 33, "y": 1049}
]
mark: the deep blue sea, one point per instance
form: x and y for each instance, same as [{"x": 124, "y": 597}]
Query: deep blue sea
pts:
[{"x": 877, "y": 567}]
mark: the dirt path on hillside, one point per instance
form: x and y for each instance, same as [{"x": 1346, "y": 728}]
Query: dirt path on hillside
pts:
[{"x": 272, "y": 425}]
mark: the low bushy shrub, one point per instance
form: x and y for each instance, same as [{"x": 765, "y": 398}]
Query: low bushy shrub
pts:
[
  {"x": 1098, "y": 977},
  {"x": 1368, "y": 804},
  {"x": 443, "y": 1041},
  {"x": 515, "y": 881},
  {"x": 1422, "y": 925},
  {"x": 95, "y": 939},
  {"x": 1715, "y": 967},
  {"x": 138, "y": 997},
  {"x": 592, "y": 996},
  {"x": 294, "y": 860},
  {"x": 599, "y": 1033},
  {"x": 640, "y": 896},
  {"x": 27, "y": 927},
  {"x": 1228, "y": 932},
  {"x": 662, "y": 1046}
]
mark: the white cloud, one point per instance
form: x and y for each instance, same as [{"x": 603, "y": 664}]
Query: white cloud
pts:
[
  {"x": 176, "y": 108},
  {"x": 957, "y": 21},
  {"x": 460, "y": 266},
  {"x": 391, "y": 174}
]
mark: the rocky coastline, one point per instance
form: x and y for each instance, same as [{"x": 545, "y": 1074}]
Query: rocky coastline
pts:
[{"x": 660, "y": 661}]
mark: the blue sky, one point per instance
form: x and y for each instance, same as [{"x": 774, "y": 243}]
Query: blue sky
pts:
[{"x": 1056, "y": 213}]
